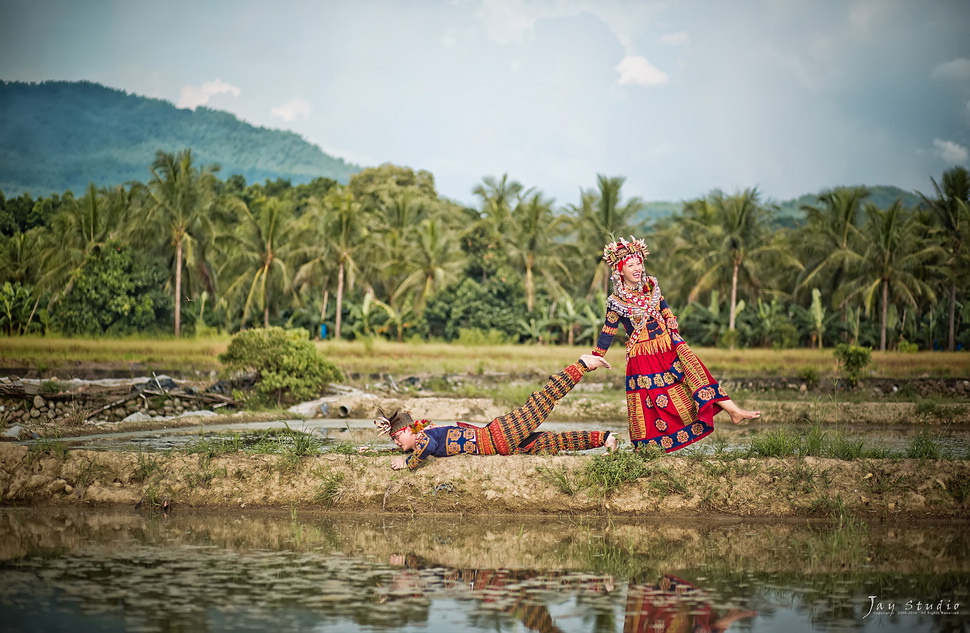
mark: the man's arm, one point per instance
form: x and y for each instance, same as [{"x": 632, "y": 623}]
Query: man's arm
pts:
[{"x": 424, "y": 447}]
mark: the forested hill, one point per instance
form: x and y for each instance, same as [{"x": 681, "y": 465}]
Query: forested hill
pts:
[
  {"x": 60, "y": 135},
  {"x": 791, "y": 213}
]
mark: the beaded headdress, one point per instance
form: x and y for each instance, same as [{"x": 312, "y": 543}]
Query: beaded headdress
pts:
[
  {"x": 616, "y": 253},
  {"x": 620, "y": 250}
]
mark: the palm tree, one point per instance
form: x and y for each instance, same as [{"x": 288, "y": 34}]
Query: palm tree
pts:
[
  {"x": 21, "y": 255},
  {"x": 890, "y": 261},
  {"x": 569, "y": 318},
  {"x": 258, "y": 254},
  {"x": 20, "y": 258},
  {"x": 433, "y": 260},
  {"x": 498, "y": 199},
  {"x": 82, "y": 225},
  {"x": 341, "y": 234},
  {"x": 398, "y": 319},
  {"x": 182, "y": 198},
  {"x": 396, "y": 229},
  {"x": 831, "y": 228},
  {"x": 364, "y": 315},
  {"x": 535, "y": 244},
  {"x": 601, "y": 217},
  {"x": 731, "y": 234},
  {"x": 951, "y": 210}
]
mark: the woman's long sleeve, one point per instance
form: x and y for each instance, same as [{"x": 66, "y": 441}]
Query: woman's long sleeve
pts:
[{"x": 605, "y": 339}]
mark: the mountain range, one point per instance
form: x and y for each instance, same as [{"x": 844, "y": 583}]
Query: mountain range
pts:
[{"x": 59, "y": 135}]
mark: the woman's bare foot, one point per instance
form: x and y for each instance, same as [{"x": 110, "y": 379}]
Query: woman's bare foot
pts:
[
  {"x": 738, "y": 414},
  {"x": 610, "y": 443}
]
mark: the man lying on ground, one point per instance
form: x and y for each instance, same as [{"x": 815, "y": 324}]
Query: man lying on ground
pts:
[{"x": 512, "y": 433}]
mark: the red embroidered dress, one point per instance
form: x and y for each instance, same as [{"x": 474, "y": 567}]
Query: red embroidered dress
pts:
[{"x": 671, "y": 397}]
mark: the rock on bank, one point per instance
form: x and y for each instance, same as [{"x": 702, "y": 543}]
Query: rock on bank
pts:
[{"x": 565, "y": 484}]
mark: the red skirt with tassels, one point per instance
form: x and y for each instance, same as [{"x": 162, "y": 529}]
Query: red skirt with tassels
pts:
[{"x": 671, "y": 396}]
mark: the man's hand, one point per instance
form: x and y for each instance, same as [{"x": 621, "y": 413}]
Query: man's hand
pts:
[
  {"x": 592, "y": 362},
  {"x": 399, "y": 462}
]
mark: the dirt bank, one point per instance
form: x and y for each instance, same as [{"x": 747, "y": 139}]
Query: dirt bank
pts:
[{"x": 669, "y": 486}]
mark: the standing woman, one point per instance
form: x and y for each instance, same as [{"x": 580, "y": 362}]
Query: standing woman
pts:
[{"x": 671, "y": 397}]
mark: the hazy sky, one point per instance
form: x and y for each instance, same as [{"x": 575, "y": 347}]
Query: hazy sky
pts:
[{"x": 791, "y": 96}]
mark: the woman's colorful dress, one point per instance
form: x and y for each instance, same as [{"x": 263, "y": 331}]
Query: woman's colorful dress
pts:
[{"x": 671, "y": 397}]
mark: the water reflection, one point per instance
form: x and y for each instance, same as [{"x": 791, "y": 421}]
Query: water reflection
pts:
[
  {"x": 524, "y": 595},
  {"x": 120, "y": 569}
]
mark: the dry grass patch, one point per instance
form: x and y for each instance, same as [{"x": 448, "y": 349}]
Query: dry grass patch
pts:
[{"x": 377, "y": 356}]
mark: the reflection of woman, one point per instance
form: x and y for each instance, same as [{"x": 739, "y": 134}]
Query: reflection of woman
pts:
[
  {"x": 507, "y": 589},
  {"x": 671, "y": 396},
  {"x": 674, "y": 606}
]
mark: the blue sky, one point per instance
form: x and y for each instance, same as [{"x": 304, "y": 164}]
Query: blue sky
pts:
[{"x": 790, "y": 96}]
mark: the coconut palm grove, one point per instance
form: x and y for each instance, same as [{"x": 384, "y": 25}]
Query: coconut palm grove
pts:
[{"x": 189, "y": 251}]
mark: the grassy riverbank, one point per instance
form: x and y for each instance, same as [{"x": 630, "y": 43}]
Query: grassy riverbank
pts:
[
  {"x": 622, "y": 484},
  {"x": 44, "y": 356}
]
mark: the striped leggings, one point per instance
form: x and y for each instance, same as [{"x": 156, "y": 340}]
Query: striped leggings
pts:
[{"x": 504, "y": 434}]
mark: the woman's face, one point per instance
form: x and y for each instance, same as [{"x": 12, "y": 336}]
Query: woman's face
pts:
[{"x": 632, "y": 271}]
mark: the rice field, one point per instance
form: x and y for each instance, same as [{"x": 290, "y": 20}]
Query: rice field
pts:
[{"x": 375, "y": 356}]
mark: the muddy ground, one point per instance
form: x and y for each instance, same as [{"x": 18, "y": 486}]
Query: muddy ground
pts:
[{"x": 558, "y": 485}]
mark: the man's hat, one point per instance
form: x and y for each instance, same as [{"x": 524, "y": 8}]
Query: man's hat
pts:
[{"x": 392, "y": 424}]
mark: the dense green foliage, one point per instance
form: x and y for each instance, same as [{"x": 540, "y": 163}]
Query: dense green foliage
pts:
[
  {"x": 287, "y": 366},
  {"x": 494, "y": 305},
  {"x": 112, "y": 294},
  {"x": 60, "y": 135},
  {"x": 18, "y": 310}
]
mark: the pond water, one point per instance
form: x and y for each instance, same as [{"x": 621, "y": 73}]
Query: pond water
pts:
[{"x": 118, "y": 569}]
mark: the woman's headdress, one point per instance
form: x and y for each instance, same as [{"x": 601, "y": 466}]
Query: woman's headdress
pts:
[{"x": 616, "y": 253}]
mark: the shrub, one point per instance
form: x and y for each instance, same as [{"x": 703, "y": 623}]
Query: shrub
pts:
[
  {"x": 475, "y": 336},
  {"x": 728, "y": 339},
  {"x": 286, "y": 364},
  {"x": 854, "y": 359},
  {"x": 498, "y": 304},
  {"x": 810, "y": 375},
  {"x": 784, "y": 336},
  {"x": 906, "y": 347}
]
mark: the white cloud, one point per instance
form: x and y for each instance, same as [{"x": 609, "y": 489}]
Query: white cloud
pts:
[
  {"x": 958, "y": 69},
  {"x": 636, "y": 70},
  {"x": 675, "y": 39},
  {"x": 291, "y": 111},
  {"x": 506, "y": 21},
  {"x": 951, "y": 153},
  {"x": 194, "y": 96}
]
